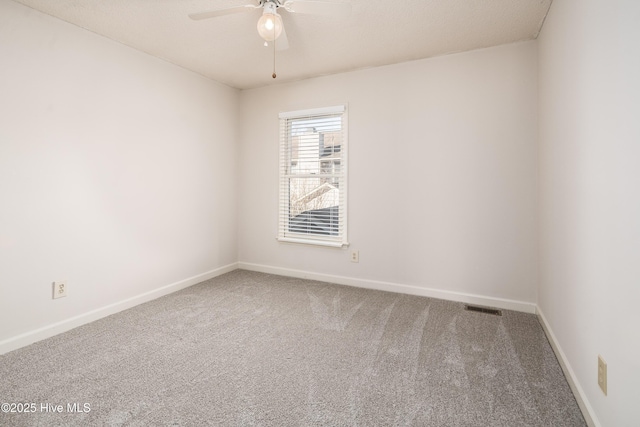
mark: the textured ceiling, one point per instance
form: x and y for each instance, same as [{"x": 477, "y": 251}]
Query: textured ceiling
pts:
[{"x": 376, "y": 32}]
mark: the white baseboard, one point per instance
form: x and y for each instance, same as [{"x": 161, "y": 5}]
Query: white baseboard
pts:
[
  {"x": 48, "y": 331},
  {"x": 505, "y": 304},
  {"x": 581, "y": 398}
]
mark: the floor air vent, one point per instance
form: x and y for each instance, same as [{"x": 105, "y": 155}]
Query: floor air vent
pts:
[{"x": 486, "y": 310}]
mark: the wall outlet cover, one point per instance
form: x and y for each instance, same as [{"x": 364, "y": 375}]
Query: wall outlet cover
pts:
[
  {"x": 59, "y": 289},
  {"x": 602, "y": 374}
]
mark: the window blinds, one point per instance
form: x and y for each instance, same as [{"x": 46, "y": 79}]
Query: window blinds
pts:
[{"x": 313, "y": 177}]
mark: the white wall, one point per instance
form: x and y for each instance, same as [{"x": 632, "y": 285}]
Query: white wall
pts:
[
  {"x": 590, "y": 196},
  {"x": 442, "y": 173},
  {"x": 117, "y": 172}
]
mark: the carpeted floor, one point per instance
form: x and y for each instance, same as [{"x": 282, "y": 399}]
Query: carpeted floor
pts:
[{"x": 249, "y": 348}]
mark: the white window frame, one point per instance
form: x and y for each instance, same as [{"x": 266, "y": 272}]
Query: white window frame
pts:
[{"x": 285, "y": 142}]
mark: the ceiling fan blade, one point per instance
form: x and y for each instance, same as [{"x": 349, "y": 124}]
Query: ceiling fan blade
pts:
[
  {"x": 221, "y": 12},
  {"x": 318, "y": 7},
  {"x": 282, "y": 42}
]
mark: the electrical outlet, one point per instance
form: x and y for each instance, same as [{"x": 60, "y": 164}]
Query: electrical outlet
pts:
[
  {"x": 355, "y": 256},
  {"x": 59, "y": 289},
  {"x": 602, "y": 374}
]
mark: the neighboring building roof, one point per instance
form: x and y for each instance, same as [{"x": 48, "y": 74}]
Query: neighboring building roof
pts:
[{"x": 319, "y": 191}]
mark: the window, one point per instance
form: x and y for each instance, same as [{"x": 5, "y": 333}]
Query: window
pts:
[{"x": 313, "y": 177}]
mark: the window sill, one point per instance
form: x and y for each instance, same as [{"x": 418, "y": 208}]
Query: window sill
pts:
[{"x": 312, "y": 242}]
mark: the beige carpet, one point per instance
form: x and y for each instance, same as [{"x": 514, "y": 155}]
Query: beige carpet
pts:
[{"x": 250, "y": 349}]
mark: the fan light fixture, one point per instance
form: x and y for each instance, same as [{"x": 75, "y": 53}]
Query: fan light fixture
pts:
[
  {"x": 270, "y": 23},
  {"x": 270, "y": 26}
]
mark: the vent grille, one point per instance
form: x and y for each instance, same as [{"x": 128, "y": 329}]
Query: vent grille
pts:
[{"x": 486, "y": 310}]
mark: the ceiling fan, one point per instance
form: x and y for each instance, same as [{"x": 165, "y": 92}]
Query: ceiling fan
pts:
[{"x": 270, "y": 26}]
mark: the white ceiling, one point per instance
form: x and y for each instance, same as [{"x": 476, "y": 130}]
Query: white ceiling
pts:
[{"x": 228, "y": 48}]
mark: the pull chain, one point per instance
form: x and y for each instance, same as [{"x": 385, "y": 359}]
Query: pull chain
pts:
[{"x": 274, "y": 52}]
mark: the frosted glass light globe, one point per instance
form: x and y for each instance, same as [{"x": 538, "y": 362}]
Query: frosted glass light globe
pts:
[{"x": 270, "y": 26}]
